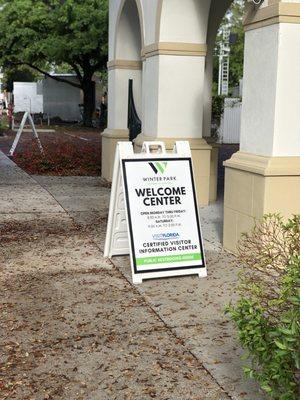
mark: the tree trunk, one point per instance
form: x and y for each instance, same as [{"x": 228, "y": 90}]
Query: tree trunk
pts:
[{"x": 88, "y": 88}]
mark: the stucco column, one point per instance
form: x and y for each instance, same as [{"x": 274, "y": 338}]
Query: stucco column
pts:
[
  {"x": 173, "y": 103},
  {"x": 126, "y": 38},
  {"x": 264, "y": 176},
  {"x": 119, "y": 73}
]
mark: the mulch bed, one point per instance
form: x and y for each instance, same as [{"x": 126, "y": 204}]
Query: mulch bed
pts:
[{"x": 71, "y": 150}]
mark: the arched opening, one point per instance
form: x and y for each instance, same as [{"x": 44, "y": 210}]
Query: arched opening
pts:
[
  {"x": 128, "y": 47},
  {"x": 222, "y": 90},
  {"x": 126, "y": 41}
]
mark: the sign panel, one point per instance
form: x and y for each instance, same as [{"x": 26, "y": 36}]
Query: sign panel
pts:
[
  {"x": 154, "y": 193},
  {"x": 162, "y": 214}
]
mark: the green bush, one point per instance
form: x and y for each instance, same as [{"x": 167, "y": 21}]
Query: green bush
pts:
[
  {"x": 268, "y": 310},
  {"x": 217, "y": 108},
  {"x": 3, "y": 124}
]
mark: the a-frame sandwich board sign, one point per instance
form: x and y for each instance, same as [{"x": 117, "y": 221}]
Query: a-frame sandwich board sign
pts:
[
  {"x": 26, "y": 116},
  {"x": 153, "y": 214}
]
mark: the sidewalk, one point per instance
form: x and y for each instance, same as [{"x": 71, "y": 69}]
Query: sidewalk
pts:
[{"x": 74, "y": 327}]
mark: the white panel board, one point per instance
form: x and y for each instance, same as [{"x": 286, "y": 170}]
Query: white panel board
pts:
[
  {"x": 61, "y": 99},
  {"x": 230, "y": 128},
  {"x": 27, "y": 98}
]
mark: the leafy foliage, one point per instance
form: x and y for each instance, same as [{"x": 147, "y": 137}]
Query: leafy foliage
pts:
[
  {"x": 44, "y": 34},
  {"x": 3, "y": 124},
  {"x": 217, "y": 108},
  {"x": 18, "y": 74},
  {"x": 217, "y": 112},
  {"x": 267, "y": 314}
]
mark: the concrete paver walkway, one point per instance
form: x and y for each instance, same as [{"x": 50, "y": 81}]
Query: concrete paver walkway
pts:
[{"x": 74, "y": 327}]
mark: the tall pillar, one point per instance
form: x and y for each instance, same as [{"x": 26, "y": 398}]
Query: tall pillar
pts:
[
  {"x": 119, "y": 73},
  {"x": 126, "y": 38},
  {"x": 264, "y": 176},
  {"x": 173, "y": 103}
]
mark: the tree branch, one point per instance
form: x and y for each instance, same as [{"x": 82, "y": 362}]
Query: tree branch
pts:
[
  {"x": 56, "y": 78},
  {"x": 78, "y": 73}
]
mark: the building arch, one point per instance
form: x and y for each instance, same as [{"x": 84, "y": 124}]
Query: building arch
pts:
[
  {"x": 125, "y": 64},
  {"x": 158, "y": 19},
  {"x": 217, "y": 12},
  {"x": 129, "y": 31},
  {"x": 174, "y": 16}
]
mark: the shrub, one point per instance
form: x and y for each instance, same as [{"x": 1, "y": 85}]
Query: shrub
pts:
[
  {"x": 217, "y": 108},
  {"x": 3, "y": 124},
  {"x": 268, "y": 310}
]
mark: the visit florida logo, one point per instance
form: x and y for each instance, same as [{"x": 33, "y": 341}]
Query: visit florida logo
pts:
[{"x": 158, "y": 166}]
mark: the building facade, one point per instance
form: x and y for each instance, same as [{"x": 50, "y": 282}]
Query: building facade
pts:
[{"x": 166, "y": 48}]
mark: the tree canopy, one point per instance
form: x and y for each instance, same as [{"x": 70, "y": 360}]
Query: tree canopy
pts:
[
  {"x": 46, "y": 33},
  {"x": 18, "y": 74}
]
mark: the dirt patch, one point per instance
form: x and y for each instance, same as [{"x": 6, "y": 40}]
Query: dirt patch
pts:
[
  {"x": 19, "y": 231},
  {"x": 15, "y": 231}
]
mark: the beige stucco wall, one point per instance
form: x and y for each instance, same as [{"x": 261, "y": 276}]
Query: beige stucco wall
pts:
[
  {"x": 257, "y": 185},
  {"x": 264, "y": 176}
]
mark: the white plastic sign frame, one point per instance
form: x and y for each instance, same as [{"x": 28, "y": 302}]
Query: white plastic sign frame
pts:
[
  {"x": 26, "y": 116},
  {"x": 131, "y": 168}
]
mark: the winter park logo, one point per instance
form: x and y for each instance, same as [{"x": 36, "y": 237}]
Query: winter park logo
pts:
[{"x": 159, "y": 166}]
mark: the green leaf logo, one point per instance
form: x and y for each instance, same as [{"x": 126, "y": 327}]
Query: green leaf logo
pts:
[{"x": 159, "y": 166}]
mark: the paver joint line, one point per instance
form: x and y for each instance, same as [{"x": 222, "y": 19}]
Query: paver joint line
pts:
[{"x": 49, "y": 194}]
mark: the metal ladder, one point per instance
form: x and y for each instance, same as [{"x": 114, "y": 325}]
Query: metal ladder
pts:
[{"x": 224, "y": 64}]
